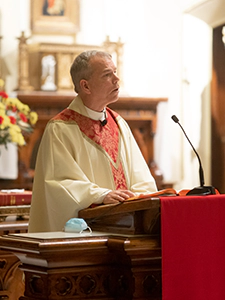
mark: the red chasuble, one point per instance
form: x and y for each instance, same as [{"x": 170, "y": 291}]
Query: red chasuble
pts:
[{"x": 107, "y": 137}]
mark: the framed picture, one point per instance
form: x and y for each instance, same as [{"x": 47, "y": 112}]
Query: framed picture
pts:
[{"x": 55, "y": 16}]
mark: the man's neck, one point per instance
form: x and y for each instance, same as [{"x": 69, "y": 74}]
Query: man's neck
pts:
[{"x": 96, "y": 115}]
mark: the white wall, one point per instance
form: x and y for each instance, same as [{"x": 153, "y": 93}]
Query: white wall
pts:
[
  {"x": 155, "y": 62},
  {"x": 195, "y": 114},
  {"x": 10, "y": 30}
]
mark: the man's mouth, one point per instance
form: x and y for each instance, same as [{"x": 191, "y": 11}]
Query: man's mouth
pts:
[{"x": 116, "y": 90}]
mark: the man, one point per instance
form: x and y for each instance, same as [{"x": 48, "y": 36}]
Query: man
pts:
[{"x": 88, "y": 154}]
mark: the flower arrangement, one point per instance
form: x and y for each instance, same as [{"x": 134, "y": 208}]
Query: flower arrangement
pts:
[{"x": 16, "y": 119}]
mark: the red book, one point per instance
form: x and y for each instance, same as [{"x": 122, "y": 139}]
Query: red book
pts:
[{"x": 15, "y": 198}]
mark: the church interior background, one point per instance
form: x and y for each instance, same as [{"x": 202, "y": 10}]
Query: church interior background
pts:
[{"x": 166, "y": 53}]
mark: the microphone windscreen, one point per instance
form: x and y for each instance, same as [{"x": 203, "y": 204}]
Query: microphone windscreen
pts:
[
  {"x": 104, "y": 122},
  {"x": 175, "y": 119}
]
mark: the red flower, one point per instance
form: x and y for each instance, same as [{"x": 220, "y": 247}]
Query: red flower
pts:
[
  {"x": 23, "y": 117},
  {"x": 3, "y": 94},
  {"x": 12, "y": 120},
  {"x": 11, "y": 107},
  {"x": 1, "y": 120}
]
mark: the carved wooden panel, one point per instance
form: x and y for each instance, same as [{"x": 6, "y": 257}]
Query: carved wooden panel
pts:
[
  {"x": 11, "y": 276},
  {"x": 91, "y": 267}
]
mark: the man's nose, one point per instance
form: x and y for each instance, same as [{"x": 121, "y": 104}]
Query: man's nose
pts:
[{"x": 115, "y": 78}]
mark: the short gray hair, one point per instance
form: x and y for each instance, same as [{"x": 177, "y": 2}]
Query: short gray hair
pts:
[{"x": 81, "y": 68}]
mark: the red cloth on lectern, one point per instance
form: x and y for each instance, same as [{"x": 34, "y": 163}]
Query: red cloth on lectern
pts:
[{"x": 193, "y": 247}]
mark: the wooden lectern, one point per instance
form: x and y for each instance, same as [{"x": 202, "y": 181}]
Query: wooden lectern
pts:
[{"x": 130, "y": 217}]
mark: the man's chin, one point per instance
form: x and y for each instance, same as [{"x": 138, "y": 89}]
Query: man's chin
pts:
[
  {"x": 112, "y": 101},
  {"x": 115, "y": 99}
]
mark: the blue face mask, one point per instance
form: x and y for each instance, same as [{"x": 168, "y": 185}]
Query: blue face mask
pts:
[{"x": 76, "y": 225}]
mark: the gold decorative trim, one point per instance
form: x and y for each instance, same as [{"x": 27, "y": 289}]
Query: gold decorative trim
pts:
[{"x": 17, "y": 210}]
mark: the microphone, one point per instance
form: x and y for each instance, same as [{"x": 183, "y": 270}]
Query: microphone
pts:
[
  {"x": 104, "y": 122},
  {"x": 202, "y": 189}
]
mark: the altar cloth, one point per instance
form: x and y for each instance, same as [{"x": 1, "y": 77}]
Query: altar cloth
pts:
[{"x": 193, "y": 247}]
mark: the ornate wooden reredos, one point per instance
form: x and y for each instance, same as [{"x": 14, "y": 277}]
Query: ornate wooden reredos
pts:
[
  {"x": 140, "y": 113},
  {"x": 31, "y": 55}
]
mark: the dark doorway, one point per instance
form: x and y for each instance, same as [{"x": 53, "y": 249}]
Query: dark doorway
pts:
[{"x": 218, "y": 111}]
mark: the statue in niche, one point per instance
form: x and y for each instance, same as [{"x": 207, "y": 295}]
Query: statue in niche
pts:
[
  {"x": 53, "y": 7},
  {"x": 48, "y": 73}
]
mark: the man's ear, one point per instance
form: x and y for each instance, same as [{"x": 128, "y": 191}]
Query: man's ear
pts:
[{"x": 84, "y": 86}]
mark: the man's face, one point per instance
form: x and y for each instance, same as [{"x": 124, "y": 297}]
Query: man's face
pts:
[{"x": 104, "y": 83}]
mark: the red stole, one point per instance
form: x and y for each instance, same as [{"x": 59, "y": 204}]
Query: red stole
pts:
[{"x": 107, "y": 137}]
